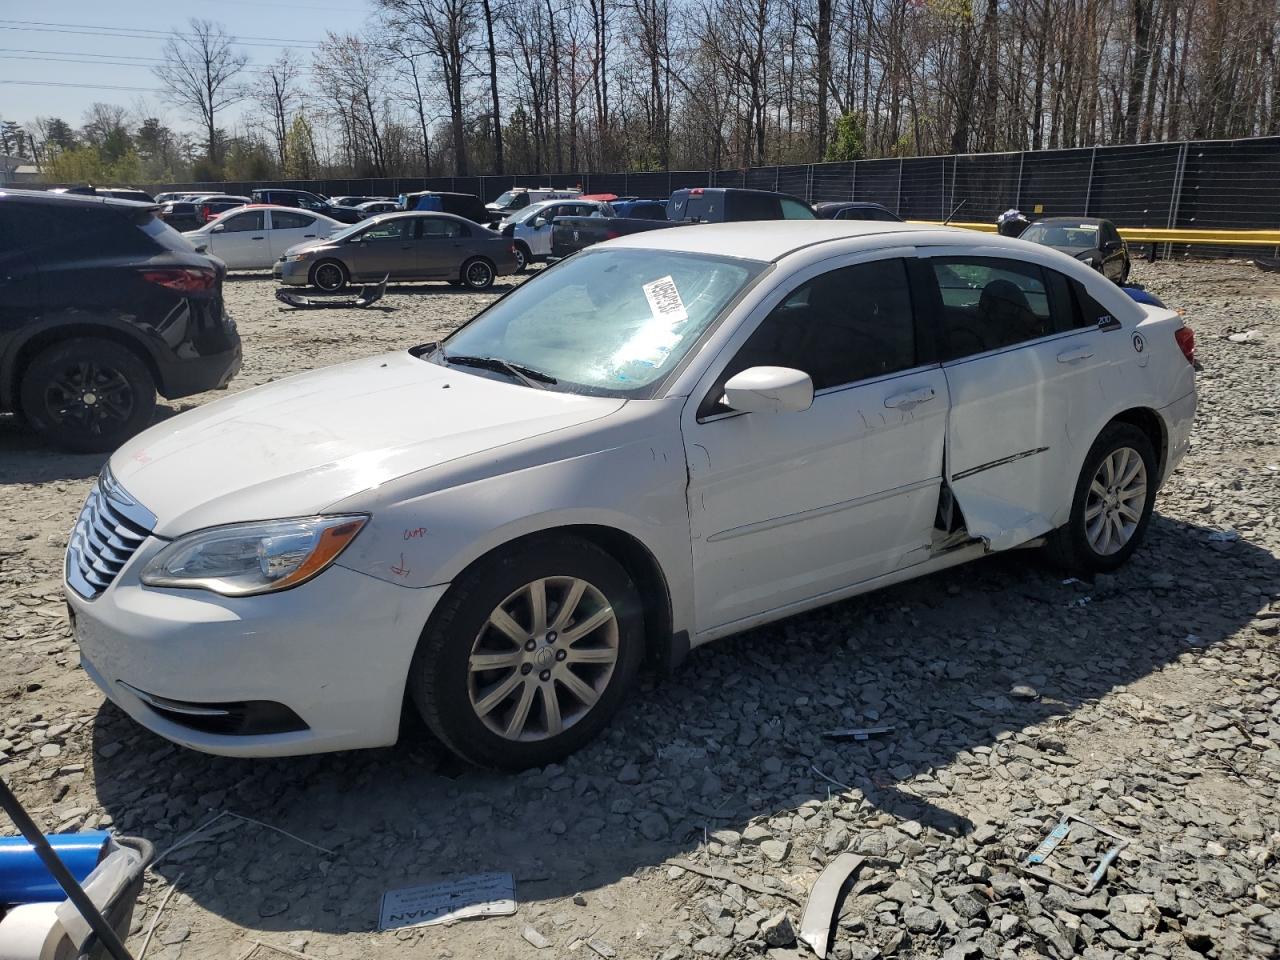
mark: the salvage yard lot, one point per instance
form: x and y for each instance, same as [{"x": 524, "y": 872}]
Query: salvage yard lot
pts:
[{"x": 1148, "y": 701}]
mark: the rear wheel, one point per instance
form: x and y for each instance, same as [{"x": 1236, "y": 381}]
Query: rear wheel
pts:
[
  {"x": 329, "y": 276},
  {"x": 87, "y": 395},
  {"x": 1112, "y": 506},
  {"x": 478, "y": 273},
  {"x": 529, "y": 653}
]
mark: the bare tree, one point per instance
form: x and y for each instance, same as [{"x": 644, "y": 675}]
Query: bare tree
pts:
[
  {"x": 352, "y": 73},
  {"x": 199, "y": 70},
  {"x": 278, "y": 95}
]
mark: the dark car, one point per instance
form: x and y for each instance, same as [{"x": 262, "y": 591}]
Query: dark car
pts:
[
  {"x": 1089, "y": 239},
  {"x": 855, "y": 210},
  {"x": 637, "y": 209},
  {"x": 307, "y": 201},
  {"x": 182, "y": 215},
  {"x": 117, "y": 193},
  {"x": 104, "y": 305},
  {"x": 401, "y": 246},
  {"x": 352, "y": 202},
  {"x": 466, "y": 205},
  {"x": 213, "y": 205}
]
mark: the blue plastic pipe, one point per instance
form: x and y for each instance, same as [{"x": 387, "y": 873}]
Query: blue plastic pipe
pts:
[{"x": 24, "y": 877}]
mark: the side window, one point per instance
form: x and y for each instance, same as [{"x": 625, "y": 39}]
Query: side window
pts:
[
  {"x": 989, "y": 303},
  {"x": 847, "y": 325},
  {"x": 1110, "y": 234},
  {"x": 243, "y": 222},
  {"x": 280, "y": 220},
  {"x": 434, "y": 228},
  {"x": 397, "y": 229},
  {"x": 1088, "y": 311},
  {"x": 752, "y": 206},
  {"x": 795, "y": 210}
]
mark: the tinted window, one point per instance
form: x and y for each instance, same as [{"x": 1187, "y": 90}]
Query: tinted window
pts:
[
  {"x": 397, "y": 229},
  {"x": 290, "y": 221},
  {"x": 242, "y": 222},
  {"x": 440, "y": 228},
  {"x": 795, "y": 210},
  {"x": 847, "y": 325},
  {"x": 56, "y": 230},
  {"x": 752, "y": 206},
  {"x": 990, "y": 303},
  {"x": 1088, "y": 311}
]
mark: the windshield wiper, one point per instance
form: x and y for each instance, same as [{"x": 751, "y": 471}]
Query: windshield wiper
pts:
[{"x": 526, "y": 375}]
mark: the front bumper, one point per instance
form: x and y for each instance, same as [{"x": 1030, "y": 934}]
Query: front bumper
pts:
[
  {"x": 335, "y": 652},
  {"x": 293, "y": 273}
]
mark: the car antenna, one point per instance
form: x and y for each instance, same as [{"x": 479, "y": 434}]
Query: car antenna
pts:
[{"x": 954, "y": 211}]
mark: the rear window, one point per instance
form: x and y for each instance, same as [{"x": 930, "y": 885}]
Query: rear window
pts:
[{"x": 166, "y": 236}]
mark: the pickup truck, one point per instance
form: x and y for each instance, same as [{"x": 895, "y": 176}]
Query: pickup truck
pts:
[{"x": 692, "y": 205}]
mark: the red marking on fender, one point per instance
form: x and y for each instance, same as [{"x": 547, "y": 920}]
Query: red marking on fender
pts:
[
  {"x": 400, "y": 570},
  {"x": 415, "y": 533}
]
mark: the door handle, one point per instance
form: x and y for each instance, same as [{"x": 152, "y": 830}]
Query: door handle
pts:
[
  {"x": 259, "y": 238},
  {"x": 909, "y": 398},
  {"x": 306, "y": 236},
  {"x": 1078, "y": 353}
]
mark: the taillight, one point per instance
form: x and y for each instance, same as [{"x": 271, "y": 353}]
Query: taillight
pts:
[
  {"x": 1186, "y": 338},
  {"x": 611, "y": 234},
  {"x": 206, "y": 213},
  {"x": 182, "y": 279}
]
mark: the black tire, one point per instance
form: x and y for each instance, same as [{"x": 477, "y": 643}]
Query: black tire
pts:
[
  {"x": 87, "y": 395},
  {"x": 478, "y": 274},
  {"x": 1069, "y": 546},
  {"x": 1124, "y": 274},
  {"x": 523, "y": 257},
  {"x": 440, "y": 677},
  {"x": 329, "y": 276}
]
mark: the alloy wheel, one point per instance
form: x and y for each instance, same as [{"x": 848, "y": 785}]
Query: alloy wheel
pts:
[
  {"x": 479, "y": 274},
  {"x": 89, "y": 396},
  {"x": 1117, "y": 498},
  {"x": 543, "y": 659},
  {"x": 328, "y": 276}
]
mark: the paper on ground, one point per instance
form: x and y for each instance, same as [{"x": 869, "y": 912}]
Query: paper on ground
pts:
[{"x": 481, "y": 895}]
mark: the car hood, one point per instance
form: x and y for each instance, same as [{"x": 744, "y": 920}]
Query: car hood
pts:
[{"x": 294, "y": 447}]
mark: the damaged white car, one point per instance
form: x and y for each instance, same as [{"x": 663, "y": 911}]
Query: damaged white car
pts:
[{"x": 660, "y": 441}]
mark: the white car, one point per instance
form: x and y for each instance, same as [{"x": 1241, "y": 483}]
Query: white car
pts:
[
  {"x": 663, "y": 440},
  {"x": 254, "y": 237},
  {"x": 531, "y": 227}
]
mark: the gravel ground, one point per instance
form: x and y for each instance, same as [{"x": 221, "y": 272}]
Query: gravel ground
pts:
[{"x": 1148, "y": 701}]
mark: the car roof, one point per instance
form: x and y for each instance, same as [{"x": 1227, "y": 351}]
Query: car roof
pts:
[
  {"x": 84, "y": 199},
  {"x": 850, "y": 204},
  {"x": 772, "y": 240}
]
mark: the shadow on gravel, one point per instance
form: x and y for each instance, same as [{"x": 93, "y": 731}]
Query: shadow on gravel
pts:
[
  {"x": 27, "y": 458},
  {"x": 734, "y": 736}
]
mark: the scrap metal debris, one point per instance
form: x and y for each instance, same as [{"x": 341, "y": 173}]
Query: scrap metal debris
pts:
[
  {"x": 1050, "y": 843},
  {"x": 728, "y": 876},
  {"x": 365, "y": 297},
  {"x": 819, "y": 910}
]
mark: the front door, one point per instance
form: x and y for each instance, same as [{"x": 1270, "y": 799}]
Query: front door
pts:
[
  {"x": 385, "y": 248},
  {"x": 242, "y": 242},
  {"x": 1020, "y": 374},
  {"x": 789, "y": 506}
]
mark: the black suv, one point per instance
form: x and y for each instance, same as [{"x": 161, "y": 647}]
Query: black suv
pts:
[
  {"x": 102, "y": 306},
  {"x": 307, "y": 201}
]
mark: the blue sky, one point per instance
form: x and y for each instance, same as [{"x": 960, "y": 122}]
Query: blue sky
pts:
[{"x": 85, "y": 45}]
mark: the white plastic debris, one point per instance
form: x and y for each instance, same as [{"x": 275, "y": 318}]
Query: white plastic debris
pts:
[{"x": 481, "y": 895}]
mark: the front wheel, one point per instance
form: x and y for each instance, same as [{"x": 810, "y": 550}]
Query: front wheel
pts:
[
  {"x": 1112, "y": 506},
  {"x": 478, "y": 274},
  {"x": 329, "y": 276},
  {"x": 529, "y": 653},
  {"x": 523, "y": 257}
]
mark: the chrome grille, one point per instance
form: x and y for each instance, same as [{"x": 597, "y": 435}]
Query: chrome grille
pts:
[{"x": 111, "y": 527}]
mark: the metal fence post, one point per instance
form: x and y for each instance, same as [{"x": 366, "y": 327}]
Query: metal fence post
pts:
[
  {"x": 853, "y": 182},
  {"x": 1175, "y": 198},
  {"x": 1088, "y": 187},
  {"x": 1017, "y": 197},
  {"x": 897, "y": 204},
  {"x": 955, "y": 162}
]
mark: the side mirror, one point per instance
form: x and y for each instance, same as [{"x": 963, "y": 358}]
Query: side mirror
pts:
[
  {"x": 202, "y": 248},
  {"x": 1111, "y": 246},
  {"x": 769, "y": 390},
  {"x": 218, "y": 228}
]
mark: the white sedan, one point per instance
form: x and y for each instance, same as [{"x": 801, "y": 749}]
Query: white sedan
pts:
[
  {"x": 663, "y": 440},
  {"x": 254, "y": 237},
  {"x": 531, "y": 227}
]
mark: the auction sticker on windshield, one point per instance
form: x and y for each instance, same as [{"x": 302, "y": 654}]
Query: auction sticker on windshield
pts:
[{"x": 664, "y": 300}]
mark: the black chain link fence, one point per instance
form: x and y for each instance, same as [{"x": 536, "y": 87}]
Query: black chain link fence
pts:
[{"x": 1220, "y": 184}]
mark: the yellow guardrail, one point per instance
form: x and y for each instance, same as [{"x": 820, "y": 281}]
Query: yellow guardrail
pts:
[{"x": 1254, "y": 238}]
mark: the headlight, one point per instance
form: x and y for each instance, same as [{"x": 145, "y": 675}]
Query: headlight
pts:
[
  {"x": 242, "y": 559},
  {"x": 295, "y": 257}
]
